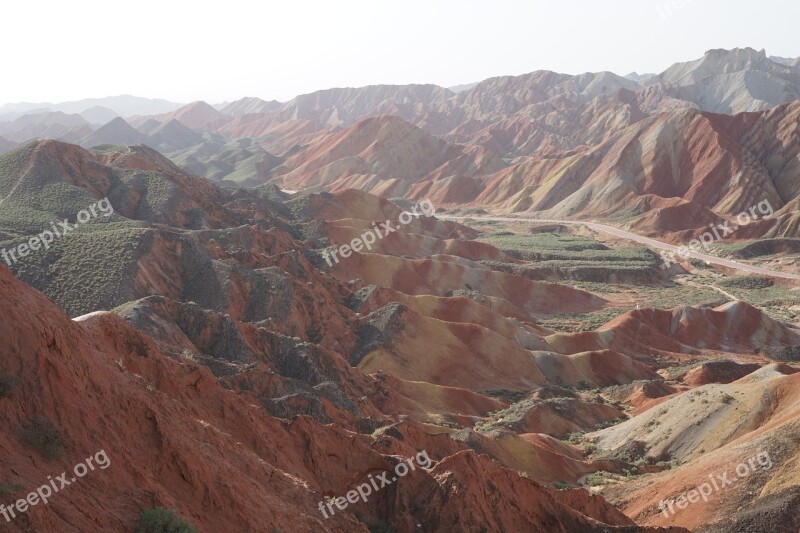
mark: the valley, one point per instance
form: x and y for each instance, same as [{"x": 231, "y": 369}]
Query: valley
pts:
[{"x": 247, "y": 342}]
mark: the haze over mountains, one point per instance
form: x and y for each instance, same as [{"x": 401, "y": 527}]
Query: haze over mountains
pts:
[
  {"x": 566, "y": 137},
  {"x": 560, "y": 380},
  {"x": 125, "y": 105},
  {"x": 489, "y": 144}
]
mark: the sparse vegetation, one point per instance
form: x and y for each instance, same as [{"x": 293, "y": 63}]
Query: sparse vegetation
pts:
[
  {"x": 784, "y": 353},
  {"x": 573, "y": 256},
  {"x": 747, "y": 282},
  {"x": 381, "y": 527},
  {"x": 581, "y": 322},
  {"x": 608, "y": 423},
  {"x": 760, "y": 248},
  {"x": 667, "y": 465},
  {"x": 575, "y": 438},
  {"x": 675, "y": 372},
  {"x": 596, "y": 479},
  {"x": 508, "y": 395},
  {"x": 506, "y": 418},
  {"x": 727, "y": 398},
  {"x": 484, "y": 426},
  {"x": 160, "y": 520},
  {"x": 7, "y": 384},
  {"x": 108, "y": 251},
  {"x": 9, "y": 488},
  {"x": 45, "y": 438},
  {"x": 778, "y": 300}
]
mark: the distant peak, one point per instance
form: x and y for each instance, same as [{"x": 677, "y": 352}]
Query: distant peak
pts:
[
  {"x": 199, "y": 103},
  {"x": 717, "y": 52}
]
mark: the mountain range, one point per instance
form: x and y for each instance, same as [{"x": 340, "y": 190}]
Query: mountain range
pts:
[
  {"x": 487, "y": 144},
  {"x": 560, "y": 379}
]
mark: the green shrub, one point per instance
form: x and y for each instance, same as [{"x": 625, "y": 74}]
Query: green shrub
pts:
[
  {"x": 748, "y": 282},
  {"x": 9, "y": 488},
  {"x": 45, "y": 438},
  {"x": 574, "y": 438},
  {"x": 160, "y": 520},
  {"x": 727, "y": 399},
  {"x": 508, "y": 395},
  {"x": 381, "y": 527},
  {"x": 598, "y": 478},
  {"x": 7, "y": 384}
]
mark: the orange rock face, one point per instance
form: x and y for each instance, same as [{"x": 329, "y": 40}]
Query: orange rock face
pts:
[
  {"x": 242, "y": 381},
  {"x": 240, "y": 394}
]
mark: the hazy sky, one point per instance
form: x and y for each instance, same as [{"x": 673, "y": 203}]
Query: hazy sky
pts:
[{"x": 216, "y": 51}]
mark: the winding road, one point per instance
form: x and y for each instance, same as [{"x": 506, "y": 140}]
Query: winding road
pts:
[{"x": 611, "y": 230}]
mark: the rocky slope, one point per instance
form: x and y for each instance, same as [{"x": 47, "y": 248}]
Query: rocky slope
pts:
[
  {"x": 225, "y": 378},
  {"x": 216, "y": 351}
]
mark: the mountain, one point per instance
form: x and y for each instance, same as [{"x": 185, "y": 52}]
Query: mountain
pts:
[
  {"x": 380, "y": 148},
  {"x": 48, "y": 125},
  {"x": 215, "y": 286},
  {"x": 463, "y": 87},
  {"x": 197, "y": 115},
  {"x": 12, "y": 115},
  {"x": 438, "y": 337},
  {"x": 124, "y": 105},
  {"x": 345, "y": 106},
  {"x": 539, "y": 115},
  {"x": 117, "y": 131},
  {"x": 511, "y": 94},
  {"x": 580, "y": 123},
  {"x": 638, "y": 175},
  {"x": 170, "y": 136},
  {"x": 610, "y": 157},
  {"x": 689, "y": 437},
  {"x": 785, "y": 60},
  {"x": 245, "y": 106},
  {"x": 641, "y": 79},
  {"x": 98, "y": 115},
  {"x": 149, "y": 385},
  {"x": 6, "y": 146},
  {"x": 275, "y": 135},
  {"x": 281, "y": 307},
  {"x": 719, "y": 62},
  {"x": 733, "y": 81},
  {"x": 497, "y": 141},
  {"x": 242, "y": 161}
]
